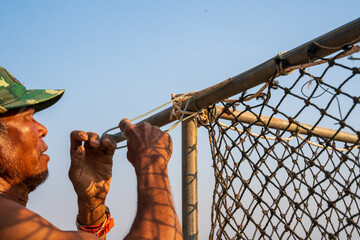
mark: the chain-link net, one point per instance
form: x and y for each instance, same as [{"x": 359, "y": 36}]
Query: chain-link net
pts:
[{"x": 286, "y": 160}]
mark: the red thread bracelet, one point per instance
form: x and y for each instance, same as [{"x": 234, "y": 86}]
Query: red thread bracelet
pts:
[{"x": 100, "y": 229}]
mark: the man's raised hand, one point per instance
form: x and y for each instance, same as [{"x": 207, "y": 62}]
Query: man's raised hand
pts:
[
  {"x": 90, "y": 173},
  {"x": 149, "y": 148}
]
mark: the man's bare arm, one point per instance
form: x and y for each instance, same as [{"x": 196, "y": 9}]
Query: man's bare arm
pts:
[
  {"x": 91, "y": 172},
  {"x": 149, "y": 151},
  {"x": 18, "y": 222}
]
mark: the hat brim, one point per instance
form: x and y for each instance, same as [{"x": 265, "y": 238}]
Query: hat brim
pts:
[{"x": 40, "y": 99}]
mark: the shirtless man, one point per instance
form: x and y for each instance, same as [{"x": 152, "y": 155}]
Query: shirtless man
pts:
[{"x": 23, "y": 166}]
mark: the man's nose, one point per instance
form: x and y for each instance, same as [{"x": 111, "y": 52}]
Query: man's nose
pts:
[{"x": 42, "y": 130}]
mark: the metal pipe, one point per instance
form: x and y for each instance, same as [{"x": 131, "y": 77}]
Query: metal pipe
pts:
[
  {"x": 190, "y": 220},
  {"x": 159, "y": 119},
  {"x": 331, "y": 42},
  {"x": 282, "y": 124}
]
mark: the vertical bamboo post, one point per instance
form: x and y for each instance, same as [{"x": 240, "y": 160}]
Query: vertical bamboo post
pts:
[{"x": 190, "y": 222}]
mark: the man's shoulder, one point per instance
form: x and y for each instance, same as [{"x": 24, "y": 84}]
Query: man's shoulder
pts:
[
  {"x": 11, "y": 209},
  {"x": 8, "y": 202},
  {"x": 17, "y": 220}
]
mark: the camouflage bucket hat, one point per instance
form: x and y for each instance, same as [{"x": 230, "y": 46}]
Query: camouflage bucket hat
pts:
[{"x": 14, "y": 95}]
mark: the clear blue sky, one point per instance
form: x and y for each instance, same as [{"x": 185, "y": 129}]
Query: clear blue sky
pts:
[{"x": 120, "y": 59}]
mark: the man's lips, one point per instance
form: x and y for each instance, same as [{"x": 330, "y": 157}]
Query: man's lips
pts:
[{"x": 44, "y": 148}]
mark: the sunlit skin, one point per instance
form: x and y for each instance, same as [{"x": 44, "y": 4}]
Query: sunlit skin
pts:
[
  {"x": 90, "y": 172},
  {"x": 22, "y": 151},
  {"x": 23, "y": 166},
  {"x": 149, "y": 151}
]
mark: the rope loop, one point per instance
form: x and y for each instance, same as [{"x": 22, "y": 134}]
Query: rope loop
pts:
[
  {"x": 281, "y": 64},
  {"x": 178, "y": 100},
  {"x": 176, "y": 112}
]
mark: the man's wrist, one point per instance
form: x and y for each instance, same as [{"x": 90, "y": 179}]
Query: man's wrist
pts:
[
  {"x": 99, "y": 230},
  {"x": 91, "y": 212},
  {"x": 153, "y": 164}
]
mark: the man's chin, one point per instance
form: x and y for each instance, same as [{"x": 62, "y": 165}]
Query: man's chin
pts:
[{"x": 34, "y": 181}]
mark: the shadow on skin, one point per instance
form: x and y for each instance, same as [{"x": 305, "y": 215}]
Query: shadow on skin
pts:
[
  {"x": 22, "y": 223},
  {"x": 156, "y": 216},
  {"x": 18, "y": 222}
]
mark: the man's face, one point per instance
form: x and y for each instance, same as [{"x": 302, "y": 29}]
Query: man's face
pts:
[{"x": 22, "y": 158}]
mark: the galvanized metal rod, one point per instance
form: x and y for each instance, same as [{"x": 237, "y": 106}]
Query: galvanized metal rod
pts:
[
  {"x": 282, "y": 124},
  {"x": 330, "y": 42},
  {"x": 190, "y": 220},
  {"x": 159, "y": 119}
]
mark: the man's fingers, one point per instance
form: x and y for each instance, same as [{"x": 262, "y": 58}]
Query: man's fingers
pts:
[
  {"x": 77, "y": 152},
  {"x": 109, "y": 145},
  {"x": 90, "y": 140},
  {"x": 125, "y": 126},
  {"x": 78, "y": 156},
  {"x": 93, "y": 140},
  {"x": 77, "y": 161},
  {"x": 143, "y": 132},
  {"x": 76, "y": 139}
]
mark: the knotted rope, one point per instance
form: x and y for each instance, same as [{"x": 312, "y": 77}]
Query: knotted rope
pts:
[{"x": 176, "y": 112}]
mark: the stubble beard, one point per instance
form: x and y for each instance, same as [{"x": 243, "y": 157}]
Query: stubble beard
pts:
[
  {"x": 10, "y": 170},
  {"x": 33, "y": 182}
]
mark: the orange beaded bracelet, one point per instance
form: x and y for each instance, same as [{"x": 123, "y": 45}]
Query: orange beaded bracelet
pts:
[{"x": 100, "y": 229}]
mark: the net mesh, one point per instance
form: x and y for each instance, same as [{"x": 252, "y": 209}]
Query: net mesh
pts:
[{"x": 286, "y": 161}]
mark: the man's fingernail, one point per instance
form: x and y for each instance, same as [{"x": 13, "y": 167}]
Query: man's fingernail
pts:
[
  {"x": 82, "y": 135},
  {"x": 79, "y": 150},
  {"x": 106, "y": 141}
]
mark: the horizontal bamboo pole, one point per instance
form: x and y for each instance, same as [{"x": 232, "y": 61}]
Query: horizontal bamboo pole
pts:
[
  {"x": 330, "y": 42},
  {"x": 282, "y": 124}
]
